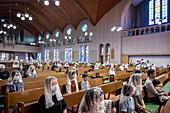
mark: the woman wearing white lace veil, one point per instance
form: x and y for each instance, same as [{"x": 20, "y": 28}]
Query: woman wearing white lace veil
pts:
[
  {"x": 52, "y": 100},
  {"x": 92, "y": 102},
  {"x": 31, "y": 72},
  {"x": 136, "y": 81},
  {"x": 15, "y": 83},
  {"x": 71, "y": 82},
  {"x": 126, "y": 103}
]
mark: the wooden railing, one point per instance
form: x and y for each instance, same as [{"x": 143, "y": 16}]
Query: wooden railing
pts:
[{"x": 146, "y": 30}]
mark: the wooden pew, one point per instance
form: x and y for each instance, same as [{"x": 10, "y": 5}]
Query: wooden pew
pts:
[
  {"x": 25, "y": 96},
  {"x": 71, "y": 99},
  {"x": 11, "y": 69},
  {"x": 25, "y": 80},
  {"x": 120, "y": 72},
  {"x": 163, "y": 78}
]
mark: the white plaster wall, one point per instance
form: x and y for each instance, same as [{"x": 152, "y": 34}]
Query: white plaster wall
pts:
[
  {"x": 101, "y": 35},
  {"x": 19, "y": 48},
  {"x": 156, "y": 44}
]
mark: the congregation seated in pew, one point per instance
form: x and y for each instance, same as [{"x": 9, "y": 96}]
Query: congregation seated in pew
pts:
[
  {"x": 84, "y": 84},
  {"x": 71, "y": 82},
  {"x": 93, "y": 102},
  {"x": 136, "y": 81},
  {"x": 15, "y": 83},
  {"x": 31, "y": 72},
  {"x": 54, "y": 66},
  {"x": 52, "y": 100},
  {"x": 126, "y": 103},
  {"x": 4, "y": 74},
  {"x": 152, "y": 94}
]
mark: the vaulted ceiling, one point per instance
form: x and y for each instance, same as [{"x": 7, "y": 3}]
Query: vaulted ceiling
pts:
[{"x": 48, "y": 18}]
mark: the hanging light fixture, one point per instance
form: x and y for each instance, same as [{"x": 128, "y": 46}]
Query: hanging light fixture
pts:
[
  {"x": 4, "y": 25},
  {"x": 8, "y": 27},
  {"x": 57, "y": 2},
  {"x": 18, "y": 15},
  {"x": 26, "y": 15},
  {"x": 22, "y": 18},
  {"x": 46, "y": 2},
  {"x": 30, "y": 18}
]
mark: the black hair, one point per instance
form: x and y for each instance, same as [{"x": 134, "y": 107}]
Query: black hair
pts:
[
  {"x": 150, "y": 71},
  {"x": 90, "y": 96},
  {"x": 84, "y": 75},
  {"x": 155, "y": 82},
  {"x": 127, "y": 89}
]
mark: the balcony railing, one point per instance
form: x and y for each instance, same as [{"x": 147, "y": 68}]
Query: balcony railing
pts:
[{"x": 146, "y": 30}]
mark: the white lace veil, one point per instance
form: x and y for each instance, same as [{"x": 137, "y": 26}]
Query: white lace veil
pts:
[
  {"x": 136, "y": 81},
  {"x": 29, "y": 71},
  {"x": 138, "y": 67},
  {"x": 48, "y": 93},
  {"x": 12, "y": 75},
  {"x": 92, "y": 96},
  {"x": 125, "y": 93}
]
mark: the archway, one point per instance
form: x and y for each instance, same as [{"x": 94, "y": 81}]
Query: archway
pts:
[{"x": 101, "y": 53}]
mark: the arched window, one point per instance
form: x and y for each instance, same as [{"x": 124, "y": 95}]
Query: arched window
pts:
[
  {"x": 84, "y": 27},
  {"x": 81, "y": 54},
  {"x": 86, "y": 54},
  {"x": 66, "y": 54},
  {"x": 47, "y": 36},
  {"x": 57, "y": 33},
  {"x": 158, "y": 10},
  {"x": 56, "y": 54},
  {"x": 47, "y": 53},
  {"x": 39, "y": 38},
  {"x": 70, "y": 54},
  {"x": 108, "y": 52},
  {"x": 38, "y": 56}
]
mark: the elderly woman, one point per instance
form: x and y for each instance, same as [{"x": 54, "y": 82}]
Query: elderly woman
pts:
[
  {"x": 31, "y": 72},
  {"x": 126, "y": 103},
  {"x": 52, "y": 100},
  {"x": 136, "y": 81},
  {"x": 93, "y": 102},
  {"x": 15, "y": 83},
  {"x": 71, "y": 82},
  {"x": 4, "y": 74}
]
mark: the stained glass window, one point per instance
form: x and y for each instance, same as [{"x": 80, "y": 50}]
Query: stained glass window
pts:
[
  {"x": 56, "y": 54},
  {"x": 66, "y": 54},
  {"x": 81, "y": 53},
  {"x": 86, "y": 54},
  {"x": 84, "y": 27},
  {"x": 165, "y": 11},
  {"x": 47, "y": 36},
  {"x": 47, "y": 52},
  {"x": 39, "y": 38},
  {"x": 70, "y": 54},
  {"x": 38, "y": 56},
  {"x": 57, "y": 34},
  {"x": 151, "y": 12},
  {"x": 157, "y": 10},
  {"x": 69, "y": 31}
]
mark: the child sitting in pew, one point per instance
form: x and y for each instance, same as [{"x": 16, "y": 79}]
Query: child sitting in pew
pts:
[
  {"x": 93, "y": 102},
  {"x": 85, "y": 84},
  {"x": 126, "y": 103},
  {"x": 71, "y": 82},
  {"x": 15, "y": 83},
  {"x": 52, "y": 100},
  {"x": 164, "y": 96},
  {"x": 54, "y": 66}
]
